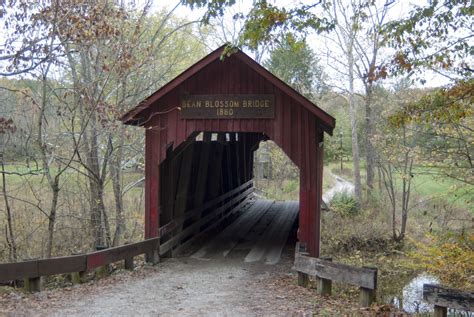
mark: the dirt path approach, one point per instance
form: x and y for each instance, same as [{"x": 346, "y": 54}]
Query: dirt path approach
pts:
[{"x": 182, "y": 287}]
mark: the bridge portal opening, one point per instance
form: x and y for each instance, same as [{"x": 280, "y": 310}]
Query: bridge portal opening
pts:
[{"x": 215, "y": 197}]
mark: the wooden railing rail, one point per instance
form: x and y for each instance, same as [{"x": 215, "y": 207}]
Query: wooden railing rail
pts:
[
  {"x": 327, "y": 271},
  {"x": 443, "y": 298},
  {"x": 170, "y": 226},
  {"x": 34, "y": 269},
  {"x": 235, "y": 199}
]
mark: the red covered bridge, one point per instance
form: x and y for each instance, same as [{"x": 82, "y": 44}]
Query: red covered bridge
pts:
[{"x": 201, "y": 131}]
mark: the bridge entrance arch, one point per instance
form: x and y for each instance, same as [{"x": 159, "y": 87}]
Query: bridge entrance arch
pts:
[{"x": 201, "y": 131}]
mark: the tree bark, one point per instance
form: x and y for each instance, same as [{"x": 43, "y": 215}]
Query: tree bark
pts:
[
  {"x": 353, "y": 119},
  {"x": 116, "y": 176},
  {"x": 52, "y": 217},
  {"x": 11, "y": 241},
  {"x": 369, "y": 149},
  {"x": 96, "y": 186}
]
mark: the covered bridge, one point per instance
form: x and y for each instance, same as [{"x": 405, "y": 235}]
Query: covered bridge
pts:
[{"x": 201, "y": 131}]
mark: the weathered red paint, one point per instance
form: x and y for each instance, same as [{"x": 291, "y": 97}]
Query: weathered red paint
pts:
[{"x": 298, "y": 128}]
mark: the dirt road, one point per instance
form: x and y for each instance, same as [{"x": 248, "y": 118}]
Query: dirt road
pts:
[{"x": 178, "y": 287}]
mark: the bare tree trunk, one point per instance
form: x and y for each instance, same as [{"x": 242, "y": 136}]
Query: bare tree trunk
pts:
[
  {"x": 369, "y": 149},
  {"x": 53, "y": 182},
  {"x": 406, "y": 187},
  {"x": 95, "y": 185},
  {"x": 11, "y": 241},
  {"x": 352, "y": 114},
  {"x": 116, "y": 175},
  {"x": 52, "y": 217}
]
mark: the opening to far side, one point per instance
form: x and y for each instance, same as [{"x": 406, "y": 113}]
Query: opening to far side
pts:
[{"x": 210, "y": 208}]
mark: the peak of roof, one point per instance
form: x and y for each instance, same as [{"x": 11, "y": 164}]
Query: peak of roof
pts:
[{"x": 133, "y": 116}]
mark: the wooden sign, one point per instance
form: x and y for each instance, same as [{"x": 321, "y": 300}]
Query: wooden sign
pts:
[{"x": 227, "y": 107}]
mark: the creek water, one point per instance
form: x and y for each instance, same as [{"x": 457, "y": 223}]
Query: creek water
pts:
[{"x": 410, "y": 298}]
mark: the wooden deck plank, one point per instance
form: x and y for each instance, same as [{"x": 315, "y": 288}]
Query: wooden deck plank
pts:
[
  {"x": 267, "y": 241},
  {"x": 224, "y": 242},
  {"x": 279, "y": 239}
]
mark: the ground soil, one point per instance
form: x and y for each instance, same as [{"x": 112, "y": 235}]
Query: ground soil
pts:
[{"x": 185, "y": 287}]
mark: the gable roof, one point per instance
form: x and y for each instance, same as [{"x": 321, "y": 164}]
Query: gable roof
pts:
[{"x": 132, "y": 117}]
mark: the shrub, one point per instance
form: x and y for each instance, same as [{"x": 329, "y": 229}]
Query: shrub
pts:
[
  {"x": 344, "y": 204},
  {"x": 450, "y": 258}
]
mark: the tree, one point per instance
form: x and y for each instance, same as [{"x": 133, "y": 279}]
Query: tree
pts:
[
  {"x": 347, "y": 19},
  {"x": 396, "y": 162},
  {"x": 370, "y": 69},
  {"x": 7, "y": 127},
  {"x": 105, "y": 61},
  {"x": 266, "y": 22},
  {"x": 295, "y": 63},
  {"x": 396, "y": 158},
  {"x": 436, "y": 36},
  {"x": 444, "y": 119}
]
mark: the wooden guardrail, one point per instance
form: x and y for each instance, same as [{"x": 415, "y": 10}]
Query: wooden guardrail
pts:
[
  {"x": 443, "y": 298},
  {"x": 33, "y": 270},
  {"x": 220, "y": 208},
  {"x": 327, "y": 271}
]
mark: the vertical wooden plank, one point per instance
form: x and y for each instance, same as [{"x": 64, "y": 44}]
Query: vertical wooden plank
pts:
[
  {"x": 183, "y": 194},
  {"x": 214, "y": 179},
  {"x": 319, "y": 189},
  {"x": 202, "y": 176},
  {"x": 229, "y": 165},
  {"x": 440, "y": 311},
  {"x": 152, "y": 184}
]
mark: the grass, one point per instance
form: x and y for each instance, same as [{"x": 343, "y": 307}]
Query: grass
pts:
[
  {"x": 30, "y": 199},
  {"x": 424, "y": 184}
]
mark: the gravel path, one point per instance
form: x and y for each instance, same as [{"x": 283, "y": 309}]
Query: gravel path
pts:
[
  {"x": 341, "y": 186},
  {"x": 177, "y": 287}
]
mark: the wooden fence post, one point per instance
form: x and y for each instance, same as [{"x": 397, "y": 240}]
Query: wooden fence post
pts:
[
  {"x": 440, "y": 311},
  {"x": 77, "y": 277},
  {"x": 33, "y": 284},
  {"x": 367, "y": 296},
  {"x": 324, "y": 285},
  {"x": 103, "y": 270},
  {"x": 128, "y": 261},
  {"x": 303, "y": 278},
  {"x": 153, "y": 257}
]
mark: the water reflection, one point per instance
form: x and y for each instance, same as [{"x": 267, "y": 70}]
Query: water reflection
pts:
[
  {"x": 411, "y": 299},
  {"x": 412, "y": 294}
]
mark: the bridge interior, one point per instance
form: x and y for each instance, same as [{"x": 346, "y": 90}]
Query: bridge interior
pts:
[{"x": 207, "y": 187}]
